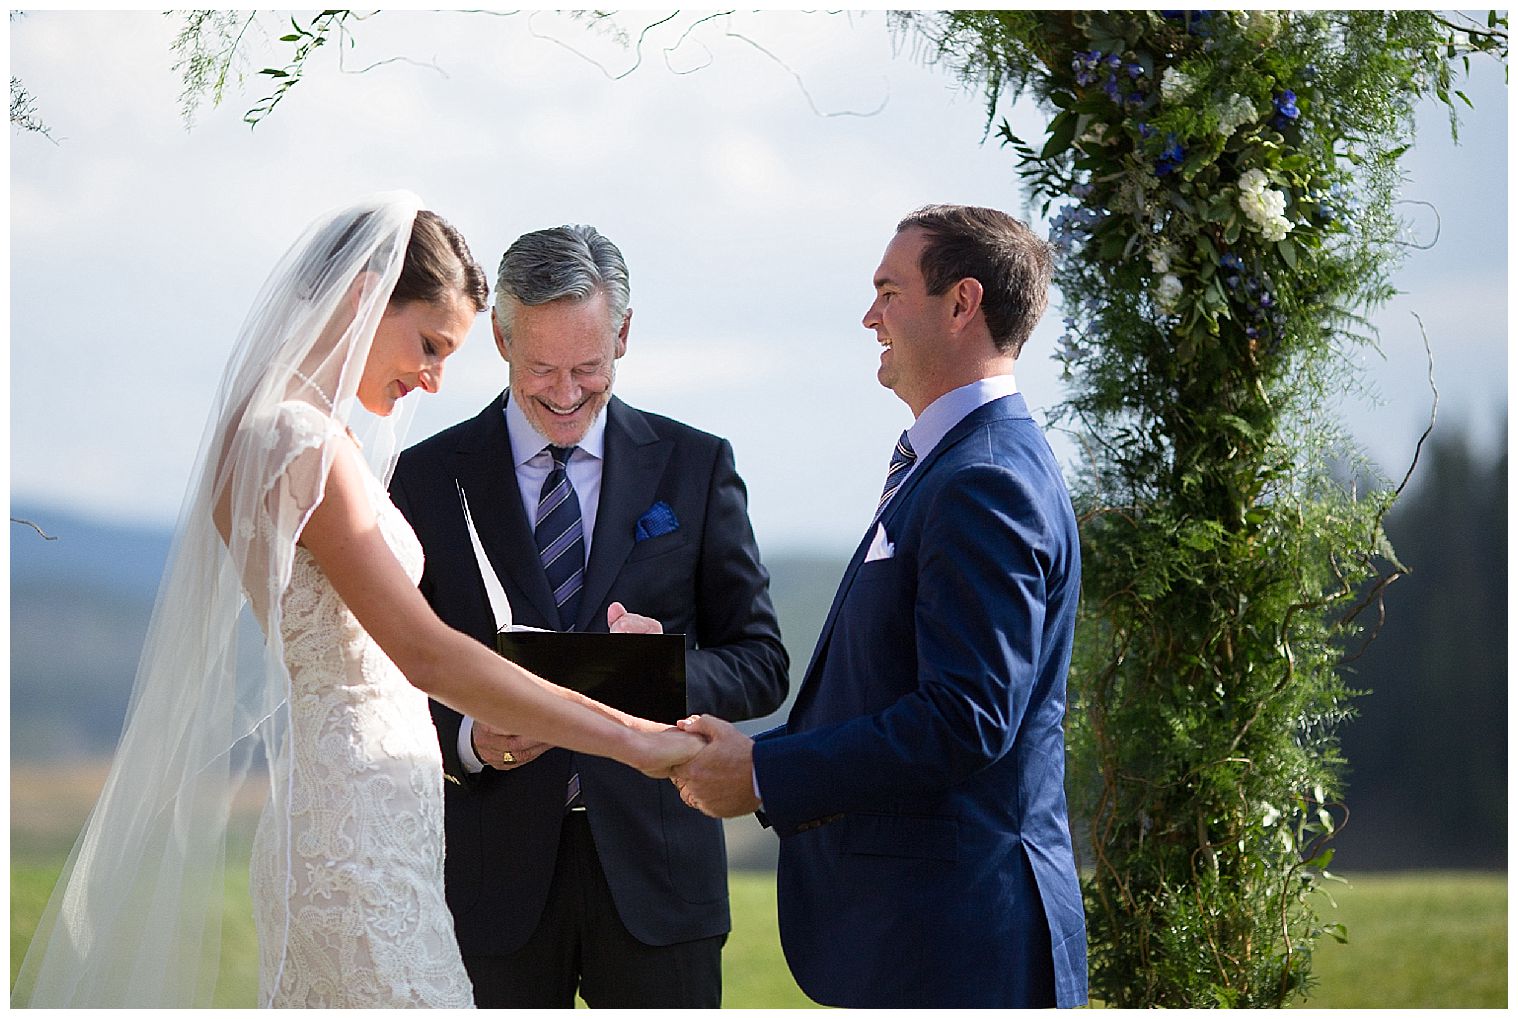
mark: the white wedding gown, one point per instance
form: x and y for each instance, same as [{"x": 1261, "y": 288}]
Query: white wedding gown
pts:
[{"x": 368, "y": 924}]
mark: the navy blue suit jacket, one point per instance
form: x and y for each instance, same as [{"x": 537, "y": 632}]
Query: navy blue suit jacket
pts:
[
  {"x": 918, "y": 785},
  {"x": 666, "y": 864}
]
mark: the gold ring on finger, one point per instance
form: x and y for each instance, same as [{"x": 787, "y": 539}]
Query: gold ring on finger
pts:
[{"x": 507, "y": 757}]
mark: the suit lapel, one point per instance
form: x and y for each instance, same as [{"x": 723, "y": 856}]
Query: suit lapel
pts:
[
  {"x": 633, "y": 465},
  {"x": 1007, "y": 406},
  {"x": 485, "y": 469}
]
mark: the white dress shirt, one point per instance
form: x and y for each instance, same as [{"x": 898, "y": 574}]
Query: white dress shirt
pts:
[
  {"x": 532, "y": 463},
  {"x": 949, "y": 410}
]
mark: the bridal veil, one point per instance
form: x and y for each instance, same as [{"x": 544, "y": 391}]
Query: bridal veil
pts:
[{"x": 135, "y": 919}]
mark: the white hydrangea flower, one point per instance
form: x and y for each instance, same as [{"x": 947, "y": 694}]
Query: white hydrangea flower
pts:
[
  {"x": 1234, "y": 113},
  {"x": 1265, "y": 25},
  {"x": 1263, "y": 206},
  {"x": 1275, "y": 229},
  {"x": 1175, "y": 86},
  {"x": 1160, "y": 255},
  {"x": 1168, "y": 291},
  {"x": 1253, "y": 180}
]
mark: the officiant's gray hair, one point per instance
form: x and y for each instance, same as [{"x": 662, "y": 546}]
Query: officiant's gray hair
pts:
[{"x": 562, "y": 262}]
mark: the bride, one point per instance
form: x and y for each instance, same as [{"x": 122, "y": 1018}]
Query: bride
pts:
[{"x": 287, "y": 516}]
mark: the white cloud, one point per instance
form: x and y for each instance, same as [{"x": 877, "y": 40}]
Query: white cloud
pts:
[{"x": 751, "y": 223}]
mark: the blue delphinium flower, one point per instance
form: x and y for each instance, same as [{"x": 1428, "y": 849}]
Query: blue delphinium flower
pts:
[
  {"x": 1170, "y": 157},
  {"x": 1135, "y": 71},
  {"x": 1081, "y": 190},
  {"x": 1286, "y": 109},
  {"x": 1071, "y": 226},
  {"x": 1085, "y": 65},
  {"x": 1232, "y": 261}
]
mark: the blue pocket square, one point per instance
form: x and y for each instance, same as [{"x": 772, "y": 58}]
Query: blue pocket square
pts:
[{"x": 659, "y": 519}]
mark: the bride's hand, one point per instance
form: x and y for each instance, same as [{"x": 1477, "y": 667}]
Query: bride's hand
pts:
[{"x": 665, "y": 750}]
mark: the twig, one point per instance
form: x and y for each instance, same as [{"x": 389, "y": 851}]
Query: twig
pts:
[{"x": 45, "y": 535}]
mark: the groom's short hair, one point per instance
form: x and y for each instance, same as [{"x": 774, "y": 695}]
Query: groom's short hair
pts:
[
  {"x": 562, "y": 262},
  {"x": 1012, "y": 264}
]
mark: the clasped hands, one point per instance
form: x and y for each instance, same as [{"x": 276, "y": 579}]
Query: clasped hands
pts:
[
  {"x": 505, "y": 751},
  {"x": 714, "y": 774}
]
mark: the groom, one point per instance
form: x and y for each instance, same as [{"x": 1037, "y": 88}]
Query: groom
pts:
[
  {"x": 565, "y": 872},
  {"x": 918, "y": 786}
]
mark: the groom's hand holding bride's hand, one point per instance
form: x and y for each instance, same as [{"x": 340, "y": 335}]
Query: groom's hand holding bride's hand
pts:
[
  {"x": 718, "y": 781},
  {"x": 667, "y": 749}
]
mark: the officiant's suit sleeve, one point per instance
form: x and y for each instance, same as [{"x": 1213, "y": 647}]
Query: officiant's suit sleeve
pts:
[
  {"x": 739, "y": 668},
  {"x": 966, "y": 600}
]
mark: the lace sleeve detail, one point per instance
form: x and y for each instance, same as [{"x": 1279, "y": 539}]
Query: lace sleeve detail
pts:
[{"x": 284, "y": 456}]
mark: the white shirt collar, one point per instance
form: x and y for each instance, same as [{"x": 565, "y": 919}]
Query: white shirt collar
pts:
[
  {"x": 527, "y": 442},
  {"x": 953, "y": 407}
]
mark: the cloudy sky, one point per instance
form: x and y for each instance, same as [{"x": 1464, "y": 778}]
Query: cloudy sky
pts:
[{"x": 751, "y": 168}]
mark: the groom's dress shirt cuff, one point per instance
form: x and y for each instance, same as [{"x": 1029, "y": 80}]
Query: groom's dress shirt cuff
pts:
[{"x": 468, "y": 759}]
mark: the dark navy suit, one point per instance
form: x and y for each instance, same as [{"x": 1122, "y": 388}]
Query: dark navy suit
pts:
[
  {"x": 917, "y": 787},
  {"x": 665, "y": 863}
]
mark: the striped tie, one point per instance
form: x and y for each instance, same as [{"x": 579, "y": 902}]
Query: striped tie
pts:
[
  {"x": 561, "y": 538},
  {"x": 902, "y": 459}
]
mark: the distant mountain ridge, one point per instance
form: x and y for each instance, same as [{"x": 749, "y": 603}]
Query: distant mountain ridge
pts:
[
  {"x": 123, "y": 558},
  {"x": 80, "y": 608}
]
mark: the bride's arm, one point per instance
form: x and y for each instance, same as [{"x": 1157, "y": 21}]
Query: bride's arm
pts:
[{"x": 343, "y": 534}]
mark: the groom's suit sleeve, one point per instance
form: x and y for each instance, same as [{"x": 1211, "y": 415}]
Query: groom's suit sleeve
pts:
[{"x": 979, "y": 612}]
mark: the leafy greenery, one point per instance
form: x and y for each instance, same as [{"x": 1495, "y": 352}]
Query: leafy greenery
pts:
[
  {"x": 1227, "y": 182},
  {"x": 209, "y": 45},
  {"x": 206, "y": 46}
]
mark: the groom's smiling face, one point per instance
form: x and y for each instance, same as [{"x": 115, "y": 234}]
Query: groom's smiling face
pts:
[{"x": 563, "y": 357}]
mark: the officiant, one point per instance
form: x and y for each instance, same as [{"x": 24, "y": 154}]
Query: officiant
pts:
[{"x": 568, "y": 873}]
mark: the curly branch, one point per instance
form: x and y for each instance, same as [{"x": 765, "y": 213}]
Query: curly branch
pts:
[{"x": 33, "y": 526}]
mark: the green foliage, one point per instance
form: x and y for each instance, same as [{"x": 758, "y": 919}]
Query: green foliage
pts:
[
  {"x": 1228, "y": 182},
  {"x": 206, "y": 46},
  {"x": 209, "y": 47},
  {"x": 24, "y": 115},
  {"x": 306, "y": 39}
]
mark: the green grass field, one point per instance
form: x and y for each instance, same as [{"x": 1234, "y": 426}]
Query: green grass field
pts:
[
  {"x": 1424, "y": 940},
  {"x": 1418, "y": 940}
]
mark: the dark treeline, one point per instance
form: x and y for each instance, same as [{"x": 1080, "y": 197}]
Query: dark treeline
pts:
[{"x": 1428, "y": 751}]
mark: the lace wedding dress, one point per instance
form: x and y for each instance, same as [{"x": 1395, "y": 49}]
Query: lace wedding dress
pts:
[{"x": 367, "y": 922}]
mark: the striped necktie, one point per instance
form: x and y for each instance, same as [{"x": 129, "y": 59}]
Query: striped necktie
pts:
[
  {"x": 560, "y": 537},
  {"x": 902, "y": 459}
]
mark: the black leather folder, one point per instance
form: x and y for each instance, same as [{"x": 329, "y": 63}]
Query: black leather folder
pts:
[{"x": 642, "y": 674}]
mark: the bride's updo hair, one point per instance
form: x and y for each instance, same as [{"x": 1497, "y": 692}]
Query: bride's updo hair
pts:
[{"x": 438, "y": 263}]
